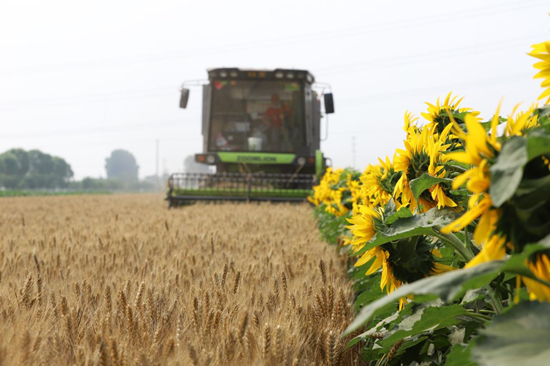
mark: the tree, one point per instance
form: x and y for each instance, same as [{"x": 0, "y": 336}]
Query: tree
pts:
[
  {"x": 62, "y": 171},
  {"x": 122, "y": 165},
  {"x": 9, "y": 170},
  {"x": 33, "y": 169}
]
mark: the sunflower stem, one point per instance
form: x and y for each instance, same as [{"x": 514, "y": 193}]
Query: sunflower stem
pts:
[
  {"x": 468, "y": 242},
  {"x": 454, "y": 242},
  {"x": 487, "y": 311},
  {"x": 496, "y": 302},
  {"x": 479, "y": 316}
]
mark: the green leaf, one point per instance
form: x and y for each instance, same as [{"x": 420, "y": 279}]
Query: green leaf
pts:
[
  {"x": 426, "y": 181},
  {"x": 460, "y": 355},
  {"x": 422, "y": 224},
  {"x": 487, "y": 125},
  {"x": 538, "y": 143},
  {"x": 391, "y": 214},
  {"x": 447, "y": 286},
  {"x": 385, "y": 321},
  {"x": 451, "y": 285},
  {"x": 516, "y": 263},
  {"x": 506, "y": 173},
  {"x": 519, "y": 337},
  {"x": 425, "y": 319}
]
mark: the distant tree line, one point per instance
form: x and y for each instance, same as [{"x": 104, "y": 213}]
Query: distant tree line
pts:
[{"x": 33, "y": 169}]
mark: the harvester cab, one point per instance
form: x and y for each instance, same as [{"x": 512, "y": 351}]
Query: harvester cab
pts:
[{"x": 261, "y": 130}]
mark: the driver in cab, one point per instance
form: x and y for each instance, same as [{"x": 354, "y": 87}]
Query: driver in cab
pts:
[{"x": 274, "y": 118}]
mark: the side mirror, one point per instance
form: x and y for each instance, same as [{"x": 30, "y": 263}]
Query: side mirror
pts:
[
  {"x": 329, "y": 103},
  {"x": 184, "y": 98}
]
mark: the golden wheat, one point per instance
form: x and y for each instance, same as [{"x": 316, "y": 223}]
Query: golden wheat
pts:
[{"x": 120, "y": 280}]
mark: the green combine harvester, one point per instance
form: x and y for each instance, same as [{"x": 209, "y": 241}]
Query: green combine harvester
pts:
[{"x": 261, "y": 131}]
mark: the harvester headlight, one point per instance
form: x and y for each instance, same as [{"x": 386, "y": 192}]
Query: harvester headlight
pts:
[
  {"x": 210, "y": 159},
  {"x": 290, "y": 75},
  {"x": 234, "y": 74},
  {"x": 223, "y": 74},
  {"x": 301, "y": 160},
  {"x": 279, "y": 75}
]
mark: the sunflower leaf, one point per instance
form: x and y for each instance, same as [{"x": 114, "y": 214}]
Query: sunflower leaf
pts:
[
  {"x": 391, "y": 214},
  {"x": 424, "y": 319},
  {"x": 447, "y": 286},
  {"x": 538, "y": 143},
  {"x": 452, "y": 285},
  {"x": 487, "y": 125},
  {"x": 518, "y": 337},
  {"x": 507, "y": 172},
  {"x": 460, "y": 355},
  {"x": 406, "y": 227},
  {"x": 426, "y": 181}
]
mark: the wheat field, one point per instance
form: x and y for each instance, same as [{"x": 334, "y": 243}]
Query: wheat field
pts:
[{"x": 121, "y": 280}]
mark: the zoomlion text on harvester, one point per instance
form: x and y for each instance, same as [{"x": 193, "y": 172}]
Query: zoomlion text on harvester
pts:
[{"x": 261, "y": 131}]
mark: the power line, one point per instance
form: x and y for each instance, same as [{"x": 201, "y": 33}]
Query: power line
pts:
[
  {"x": 496, "y": 80},
  {"x": 94, "y": 98},
  {"x": 97, "y": 129},
  {"x": 422, "y": 57},
  {"x": 343, "y": 69},
  {"x": 391, "y": 96},
  {"x": 88, "y": 142},
  {"x": 316, "y": 37}
]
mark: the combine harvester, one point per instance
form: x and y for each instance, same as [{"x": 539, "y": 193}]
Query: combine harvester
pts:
[{"x": 261, "y": 131}]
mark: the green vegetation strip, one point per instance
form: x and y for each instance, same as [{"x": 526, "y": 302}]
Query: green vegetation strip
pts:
[{"x": 21, "y": 193}]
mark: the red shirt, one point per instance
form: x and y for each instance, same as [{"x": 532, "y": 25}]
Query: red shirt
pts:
[{"x": 274, "y": 115}]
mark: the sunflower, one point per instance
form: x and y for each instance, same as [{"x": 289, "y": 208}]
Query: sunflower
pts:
[
  {"x": 541, "y": 51},
  {"x": 481, "y": 149},
  {"x": 400, "y": 261},
  {"x": 438, "y": 113},
  {"x": 363, "y": 229},
  {"x": 494, "y": 248},
  {"x": 517, "y": 125},
  {"x": 410, "y": 123},
  {"x": 378, "y": 182},
  {"x": 422, "y": 155},
  {"x": 321, "y": 192},
  {"x": 357, "y": 196},
  {"x": 540, "y": 267},
  {"x": 330, "y": 192},
  {"x": 334, "y": 204},
  {"x": 388, "y": 282},
  {"x": 363, "y": 225}
]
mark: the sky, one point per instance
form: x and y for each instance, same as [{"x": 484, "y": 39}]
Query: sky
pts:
[{"x": 79, "y": 79}]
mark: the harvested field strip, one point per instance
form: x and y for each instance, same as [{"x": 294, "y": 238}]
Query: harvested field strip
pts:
[{"x": 121, "y": 280}]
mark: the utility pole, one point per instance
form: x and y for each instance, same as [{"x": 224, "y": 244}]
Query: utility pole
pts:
[
  {"x": 353, "y": 150},
  {"x": 157, "y": 165}
]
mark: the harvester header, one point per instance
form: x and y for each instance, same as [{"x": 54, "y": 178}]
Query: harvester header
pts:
[{"x": 264, "y": 125}]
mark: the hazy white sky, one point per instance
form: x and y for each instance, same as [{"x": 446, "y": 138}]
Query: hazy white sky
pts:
[{"x": 81, "y": 78}]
